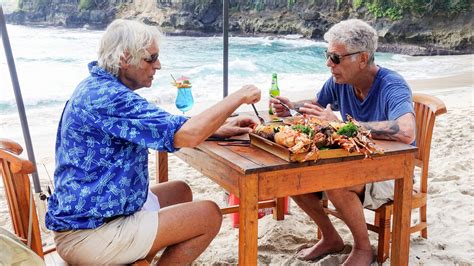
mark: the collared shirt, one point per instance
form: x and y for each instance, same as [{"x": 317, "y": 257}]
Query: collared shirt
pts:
[{"x": 102, "y": 152}]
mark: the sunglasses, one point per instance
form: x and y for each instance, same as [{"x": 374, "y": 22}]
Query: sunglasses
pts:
[
  {"x": 335, "y": 58},
  {"x": 152, "y": 59}
]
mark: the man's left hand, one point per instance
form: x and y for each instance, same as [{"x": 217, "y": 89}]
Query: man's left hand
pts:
[
  {"x": 321, "y": 113},
  {"x": 235, "y": 126}
]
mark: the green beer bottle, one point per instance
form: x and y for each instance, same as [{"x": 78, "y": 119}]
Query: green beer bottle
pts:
[{"x": 274, "y": 91}]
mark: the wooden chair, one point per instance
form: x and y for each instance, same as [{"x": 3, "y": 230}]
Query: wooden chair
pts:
[
  {"x": 427, "y": 107},
  {"x": 14, "y": 171}
]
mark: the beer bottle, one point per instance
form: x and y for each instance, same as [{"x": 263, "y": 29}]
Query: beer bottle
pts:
[{"x": 274, "y": 91}]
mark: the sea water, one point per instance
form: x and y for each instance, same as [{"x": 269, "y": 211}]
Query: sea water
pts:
[{"x": 50, "y": 62}]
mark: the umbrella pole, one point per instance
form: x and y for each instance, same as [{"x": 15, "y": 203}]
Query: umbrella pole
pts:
[
  {"x": 19, "y": 101},
  {"x": 225, "y": 26}
]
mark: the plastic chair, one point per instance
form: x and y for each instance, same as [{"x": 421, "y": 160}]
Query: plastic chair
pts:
[
  {"x": 14, "y": 171},
  {"x": 426, "y": 107}
]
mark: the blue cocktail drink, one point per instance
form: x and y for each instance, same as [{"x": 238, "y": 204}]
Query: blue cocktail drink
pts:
[{"x": 184, "y": 99}]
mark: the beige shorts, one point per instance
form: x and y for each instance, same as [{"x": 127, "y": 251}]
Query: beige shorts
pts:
[
  {"x": 121, "y": 241},
  {"x": 378, "y": 193}
]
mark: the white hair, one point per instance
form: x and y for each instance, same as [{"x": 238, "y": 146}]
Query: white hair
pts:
[
  {"x": 355, "y": 34},
  {"x": 128, "y": 39}
]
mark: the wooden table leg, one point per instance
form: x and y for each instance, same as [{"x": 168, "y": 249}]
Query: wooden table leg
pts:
[
  {"x": 248, "y": 222},
  {"x": 279, "y": 209},
  {"x": 402, "y": 214},
  {"x": 161, "y": 166}
]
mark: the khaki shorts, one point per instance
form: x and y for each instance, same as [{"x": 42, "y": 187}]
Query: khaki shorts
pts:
[
  {"x": 120, "y": 241},
  {"x": 376, "y": 194}
]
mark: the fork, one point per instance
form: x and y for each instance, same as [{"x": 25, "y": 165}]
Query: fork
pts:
[
  {"x": 262, "y": 121},
  {"x": 293, "y": 112}
]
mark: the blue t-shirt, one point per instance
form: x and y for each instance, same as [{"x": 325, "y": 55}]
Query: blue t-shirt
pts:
[
  {"x": 388, "y": 98},
  {"x": 102, "y": 152}
]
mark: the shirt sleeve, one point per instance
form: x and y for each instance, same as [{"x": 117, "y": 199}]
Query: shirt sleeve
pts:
[
  {"x": 130, "y": 117},
  {"x": 327, "y": 95},
  {"x": 399, "y": 100}
]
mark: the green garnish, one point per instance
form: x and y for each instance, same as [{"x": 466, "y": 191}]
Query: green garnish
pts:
[
  {"x": 348, "y": 130},
  {"x": 276, "y": 129},
  {"x": 304, "y": 129}
]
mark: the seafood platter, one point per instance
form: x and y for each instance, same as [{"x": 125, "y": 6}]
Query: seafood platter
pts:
[{"x": 307, "y": 138}]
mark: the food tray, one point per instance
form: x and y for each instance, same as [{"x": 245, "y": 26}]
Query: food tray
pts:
[{"x": 284, "y": 153}]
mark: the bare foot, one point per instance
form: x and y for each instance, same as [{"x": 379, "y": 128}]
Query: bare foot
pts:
[
  {"x": 359, "y": 257},
  {"x": 323, "y": 247}
]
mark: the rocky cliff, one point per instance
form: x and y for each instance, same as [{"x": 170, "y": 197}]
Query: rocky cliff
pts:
[{"x": 439, "y": 32}]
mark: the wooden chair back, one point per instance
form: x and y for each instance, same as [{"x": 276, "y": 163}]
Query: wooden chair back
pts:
[
  {"x": 427, "y": 108},
  {"x": 14, "y": 171}
]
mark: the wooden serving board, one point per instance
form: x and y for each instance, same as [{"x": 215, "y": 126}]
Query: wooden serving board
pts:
[{"x": 284, "y": 153}]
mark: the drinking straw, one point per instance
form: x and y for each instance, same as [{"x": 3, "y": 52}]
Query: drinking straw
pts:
[{"x": 173, "y": 78}]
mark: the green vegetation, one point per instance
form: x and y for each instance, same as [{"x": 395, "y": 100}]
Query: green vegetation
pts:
[
  {"x": 395, "y": 9},
  {"x": 259, "y": 5},
  {"x": 38, "y": 4},
  {"x": 86, "y": 4},
  {"x": 357, "y": 3},
  {"x": 348, "y": 130},
  {"x": 338, "y": 2},
  {"x": 304, "y": 129},
  {"x": 291, "y": 3}
]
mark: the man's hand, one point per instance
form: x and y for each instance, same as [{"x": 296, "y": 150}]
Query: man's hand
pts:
[
  {"x": 249, "y": 94},
  {"x": 278, "y": 109},
  {"x": 321, "y": 113},
  {"x": 235, "y": 126}
]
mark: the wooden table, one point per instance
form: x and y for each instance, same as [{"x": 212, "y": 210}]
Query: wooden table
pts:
[{"x": 255, "y": 175}]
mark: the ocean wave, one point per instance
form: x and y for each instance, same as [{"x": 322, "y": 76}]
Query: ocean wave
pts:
[
  {"x": 59, "y": 60},
  {"x": 7, "y": 107},
  {"x": 237, "y": 66},
  {"x": 47, "y": 59},
  {"x": 270, "y": 41}
]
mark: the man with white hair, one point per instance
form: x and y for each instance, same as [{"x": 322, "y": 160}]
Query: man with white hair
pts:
[
  {"x": 382, "y": 101},
  {"x": 101, "y": 177}
]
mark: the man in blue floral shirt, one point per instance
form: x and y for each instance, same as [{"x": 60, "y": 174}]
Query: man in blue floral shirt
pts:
[{"x": 101, "y": 176}]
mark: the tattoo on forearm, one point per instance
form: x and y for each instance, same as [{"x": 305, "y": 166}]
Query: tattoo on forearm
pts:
[{"x": 389, "y": 130}]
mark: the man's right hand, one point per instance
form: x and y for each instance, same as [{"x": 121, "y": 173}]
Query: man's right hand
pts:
[
  {"x": 249, "y": 94},
  {"x": 278, "y": 109}
]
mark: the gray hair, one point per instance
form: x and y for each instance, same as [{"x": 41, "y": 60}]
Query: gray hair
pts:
[
  {"x": 355, "y": 34},
  {"x": 126, "y": 38}
]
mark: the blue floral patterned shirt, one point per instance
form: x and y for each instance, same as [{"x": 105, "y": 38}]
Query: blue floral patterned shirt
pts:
[{"x": 102, "y": 152}]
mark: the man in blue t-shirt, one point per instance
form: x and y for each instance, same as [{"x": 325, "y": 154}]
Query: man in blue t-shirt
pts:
[
  {"x": 103, "y": 210},
  {"x": 377, "y": 97}
]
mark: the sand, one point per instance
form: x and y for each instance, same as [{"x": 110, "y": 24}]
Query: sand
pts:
[{"x": 450, "y": 200}]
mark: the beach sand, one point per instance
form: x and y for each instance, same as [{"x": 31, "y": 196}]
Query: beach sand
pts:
[{"x": 450, "y": 200}]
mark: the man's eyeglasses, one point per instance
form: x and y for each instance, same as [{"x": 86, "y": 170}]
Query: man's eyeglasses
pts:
[
  {"x": 335, "y": 58},
  {"x": 152, "y": 59}
]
